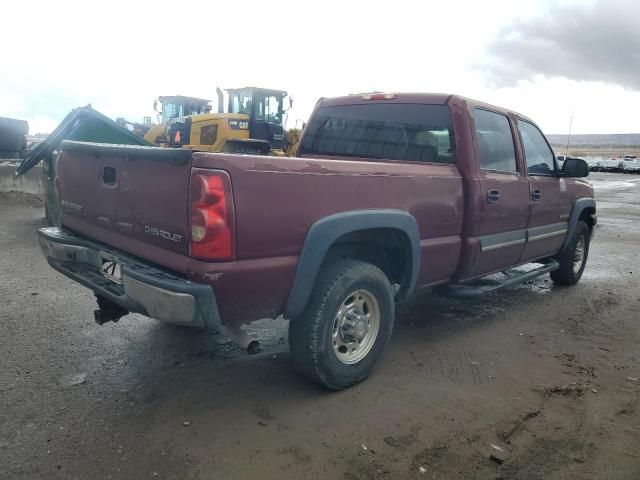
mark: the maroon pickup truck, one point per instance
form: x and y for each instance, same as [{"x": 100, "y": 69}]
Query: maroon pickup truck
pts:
[{"x": 388, "y": 193}]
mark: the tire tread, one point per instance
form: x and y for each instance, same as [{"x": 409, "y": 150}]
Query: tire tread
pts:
[
  {"x": 565, "y": 274},
  {"x": 305, "y": 332}
]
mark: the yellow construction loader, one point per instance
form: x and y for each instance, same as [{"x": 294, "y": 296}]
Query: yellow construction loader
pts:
[{"x": 252, "y": 122}]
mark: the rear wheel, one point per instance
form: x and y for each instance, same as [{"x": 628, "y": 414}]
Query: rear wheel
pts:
[
  {"x": 573, "y": 259},
  {"x": 346, "y": 326}
]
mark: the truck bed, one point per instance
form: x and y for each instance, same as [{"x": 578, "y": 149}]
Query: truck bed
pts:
[{"x": 144, "y": 210}]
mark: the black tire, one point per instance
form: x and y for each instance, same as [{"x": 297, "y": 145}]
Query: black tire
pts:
[
  {"x": 567, "y": 274},
  {"x": 311, "y": 339}
]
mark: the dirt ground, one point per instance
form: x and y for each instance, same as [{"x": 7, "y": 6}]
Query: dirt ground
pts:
[{"x": 549, "y": 375}]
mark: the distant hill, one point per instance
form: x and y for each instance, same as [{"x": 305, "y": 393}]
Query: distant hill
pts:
[{"x": 597, "y": 140}]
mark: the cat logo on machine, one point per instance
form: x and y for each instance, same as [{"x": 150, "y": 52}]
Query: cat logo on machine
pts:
[{"x": 239, "y": 124}]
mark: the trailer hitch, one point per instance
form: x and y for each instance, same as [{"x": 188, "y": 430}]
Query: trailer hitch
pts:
[{"x": 108, "y": 311}]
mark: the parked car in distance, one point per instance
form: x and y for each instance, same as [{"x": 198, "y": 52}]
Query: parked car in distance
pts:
[
  {"x": 595, "y": 165},
  {"x": 630, "y": 164},
  {"x": 607, "y": 165},
  {"x": 388, "y": 193},
  {"x": 591, "y": 162}
]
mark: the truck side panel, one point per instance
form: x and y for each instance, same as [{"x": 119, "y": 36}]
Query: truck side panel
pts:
[{"x": 277, "y": 201}]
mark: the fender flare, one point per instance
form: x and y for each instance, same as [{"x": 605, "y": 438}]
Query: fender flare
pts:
[
  {"x": 578, "y": 208},
  {"x": 327, "y": 230}
]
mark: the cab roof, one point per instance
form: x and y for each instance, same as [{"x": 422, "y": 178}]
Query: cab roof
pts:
[
  {"x": 258, "y": 89},
  {"x": 417, "y": 98},
  {"x": 182, "y": 99}
]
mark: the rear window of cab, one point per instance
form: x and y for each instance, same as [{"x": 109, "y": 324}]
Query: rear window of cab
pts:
[{"x": 382, "y": 131}]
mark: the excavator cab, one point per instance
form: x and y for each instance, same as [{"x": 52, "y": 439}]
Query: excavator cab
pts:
[
  {"x": 180, "y": 106},
  {"x": 266, "y": 111},
  {"x": 168, "y": 109}
]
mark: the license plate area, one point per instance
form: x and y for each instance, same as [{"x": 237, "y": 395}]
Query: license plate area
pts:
[{"x": 111, "y": 268}]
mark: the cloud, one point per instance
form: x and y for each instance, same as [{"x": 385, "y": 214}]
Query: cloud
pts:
[{"x": 599, "y": 41}]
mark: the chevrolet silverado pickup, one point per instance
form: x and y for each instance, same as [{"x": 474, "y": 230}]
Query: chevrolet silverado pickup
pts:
[{"x": 388, "y": 193}]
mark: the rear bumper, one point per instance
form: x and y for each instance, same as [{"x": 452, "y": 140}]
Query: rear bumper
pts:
[{"x": 145, "y": 289}]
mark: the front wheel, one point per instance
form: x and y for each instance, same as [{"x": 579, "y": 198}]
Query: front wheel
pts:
[
  {"x": 573, "y": 259},
  {"x": 346, "y": 325}
]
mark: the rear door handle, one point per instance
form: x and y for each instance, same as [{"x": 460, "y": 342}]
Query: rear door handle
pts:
[
  {"x": 493, "y": 196},
  {"x": 536, "y": 195}
]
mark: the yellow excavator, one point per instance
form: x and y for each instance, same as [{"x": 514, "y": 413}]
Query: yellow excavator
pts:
[{"x": 252, "y": 122}]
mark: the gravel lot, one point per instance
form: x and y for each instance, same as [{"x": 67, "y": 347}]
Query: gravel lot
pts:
[{"x": 549, "y": 375}]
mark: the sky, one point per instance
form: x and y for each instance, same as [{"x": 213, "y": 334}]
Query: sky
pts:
[{"x": 549, "y": 60}]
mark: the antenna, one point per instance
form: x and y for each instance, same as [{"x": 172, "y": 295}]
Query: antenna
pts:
[{"x": 566, "y": 153}]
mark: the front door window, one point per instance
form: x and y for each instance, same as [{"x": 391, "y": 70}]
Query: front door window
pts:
[{"x": 539, "y": 156}]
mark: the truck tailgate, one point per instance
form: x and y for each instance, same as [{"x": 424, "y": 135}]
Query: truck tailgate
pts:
[{"x": 132, "y": 198}]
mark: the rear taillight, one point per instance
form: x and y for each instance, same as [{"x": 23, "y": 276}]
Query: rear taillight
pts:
[{"x": 212, "y": 218}]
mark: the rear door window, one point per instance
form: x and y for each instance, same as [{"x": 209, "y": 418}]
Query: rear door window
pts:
[
  {"x": 389, "y": 131},
  {"x": 496, "y": 150},
  {"x": 538, "y": 154}
]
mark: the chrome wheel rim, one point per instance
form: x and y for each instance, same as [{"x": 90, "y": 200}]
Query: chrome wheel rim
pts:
[
  {"x": 578, "y": 255},
  {"x": 355, "y": 327}
]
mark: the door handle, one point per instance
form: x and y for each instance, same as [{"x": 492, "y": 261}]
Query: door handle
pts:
[
  {"x": 536, "y": 195},
  {"x": 493, "y": 196},
  {"x": 109, "y": 176}
]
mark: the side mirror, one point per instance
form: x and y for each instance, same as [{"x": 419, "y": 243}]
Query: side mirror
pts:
[{"x": 575, "y": 167}]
